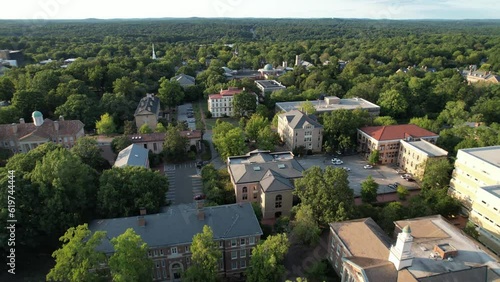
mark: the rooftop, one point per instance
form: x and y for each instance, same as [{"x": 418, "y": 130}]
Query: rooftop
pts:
[
  {"x": 226, "y": 221},
  {"x": 148, "y": 105},
  {"x": 488, "y": 154},
  {"x": 231, "y": 91},
  {"x": 323, "y": 106},
  {"x": 133, "y": 155},
  {"x": 47, "y": 130},
  {"x": 427, "y": 147},
  {"x": 397, "y": 132},
  {"x": 430, "y": 231},
  {"x": 269, "y": 84},
  {"x": 493, "y": 190},
  {"x": 297, "y": 119}
]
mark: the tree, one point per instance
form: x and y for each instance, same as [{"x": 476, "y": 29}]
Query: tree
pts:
[
  {"x": 170, "y": 93},
  {"x": 308, "y": 108},
  {"x": 89, "y": 152},
  {"x": 77, "y": 260},
  {"x": 7, "y": 89},
  {"x": 229, "y": 140},
  {"x": 9, "y": 114},
  {"x": 80, "y": 107},
  {"x": 129, "y": 127},
  {"x": 402, "y": 192},
  {"x": 28, "y": 101},
  {"x": 393, "y": 103},
  {"x": 67, "y": 189},
  {"x": 174, "y": 146},
  {"x": 205, "y": 258},
  {"x": 470, "y": 229},
  {"x": 340, "y": 127},
  {"x": 244, "y": 104},
  {"x": 105, "y": 125},
  {"x": 327, "y": 193},
  {"x": 123, "y": 191},
  {"x": 390, "y": 213},
  {"x": 374, "y": 157},
  {"x": 145, "y": 129},
  {"x": 255, "y": 124},
  {"x": 266, "y": 263},
  {"x": 130, "y": 261},
  {"x": 305, "y": 226},
  {"x": 119, "y": 143},
  {"x": 369, "y": 190},
  {"x": 436, "y": 174},
  {"x": 384, "y": 120},
  {"x": 120, "y": 107},
  {"x": 160, "y": 128},
  {"x": 425, "y": 122},
  {"x": 454, "y": 113},
  {"x": 267, "y": 139}
]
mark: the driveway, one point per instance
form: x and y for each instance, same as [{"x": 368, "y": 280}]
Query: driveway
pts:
[{"x": 182, "y": 115}]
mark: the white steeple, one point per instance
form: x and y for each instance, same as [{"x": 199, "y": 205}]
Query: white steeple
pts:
[
  {"x": 400, "y": 254},
  {"x": 154, "y": 54}
]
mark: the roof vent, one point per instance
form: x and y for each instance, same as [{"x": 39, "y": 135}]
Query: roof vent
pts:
[
  {"x": 256, "y": 168},
  {"x": 281, "y": 166}
]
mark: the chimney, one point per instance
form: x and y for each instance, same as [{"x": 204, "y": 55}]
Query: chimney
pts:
[
  {"x": 56, "y": 125},
  {"x": 141, "y": 221},
  {"x": 201, "y": 213},
  {"x": 142, "y": 211},
  {"x": 61, "y": 118},
  {"x": 14, "y": 128},
  {"x": 21, "y": 120}
]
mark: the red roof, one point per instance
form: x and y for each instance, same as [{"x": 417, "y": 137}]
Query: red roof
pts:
[
  {"x": 228, "y": 92},
  {"x": 393, "y": 132}
]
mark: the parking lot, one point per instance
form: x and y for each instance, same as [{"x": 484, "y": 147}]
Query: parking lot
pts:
[
  {"x": 382, "y": 174},
  {"x": 185, "y": 113}
]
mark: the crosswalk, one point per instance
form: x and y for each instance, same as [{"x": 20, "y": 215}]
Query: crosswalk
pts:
[
  {"x": 170, "y": 195},
  {"x": 197, "y": 184}
]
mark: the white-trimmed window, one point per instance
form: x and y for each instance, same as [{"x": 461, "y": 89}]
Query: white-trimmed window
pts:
[
  {"x": 234, "y": 254},
  {"x": 243, "y": 264},
  {"x": 161, "y": 252},
  {"x": 243, "y": 253},
  {"x": 173, "y": 250},
  {"x": 233, "y": 243},
  {"x": 242, "y": 241},
  {"x": 221, "y": 244},
  {"x": 234, "y": 265},
  {"x": 155, "y": 253},
  {"x": 187, "y": 249},
  {"x": 251, "y": 240}
]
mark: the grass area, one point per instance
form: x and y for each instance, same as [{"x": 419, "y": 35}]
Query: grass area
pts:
[{"x": 198, "y": 115}]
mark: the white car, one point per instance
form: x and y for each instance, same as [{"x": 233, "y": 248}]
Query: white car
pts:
[
  {"x": 338, "y": 162},
  {"x": 346, "y": 168},
  {"x": 334, "y": 160},
  {"x": 368, "y": 166}
]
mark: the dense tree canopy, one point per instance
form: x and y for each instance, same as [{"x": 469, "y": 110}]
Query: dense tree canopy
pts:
[
  {"x": 205, "y": 259},
  {"x": 266, "y": 263}
]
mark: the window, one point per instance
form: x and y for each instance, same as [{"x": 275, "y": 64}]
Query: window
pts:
[
  {"x": 234, "y": 254},
  {"x": 234, "y": 265},
  {"x": 251, "y": 240},
  {"x": 243, "y": 253},
  {"x": 163, "y": 263},
  {"x": 278, "y": 201},
  {"x": 243, "y": 264},
  {"x": 244, "y": 190},
  {"x": 173, "y": 250},
  {"x": 157, "y": 264},
  {"x": 244, "y": 196},
  {"x": 233, "y": 243},
  {"x": 187, "y": 249},
  {"x": 188, "y": 260},
  {"x": 164, "y": 273},
  {"x": 155, "y": 147},
  {"x": 221, "y": 244},
  {"x": 150, "y": 253},
  {"x": 156, "y": 253},
  {"x": 161, "y": 252},
  {"x": 242, "y": 242}
]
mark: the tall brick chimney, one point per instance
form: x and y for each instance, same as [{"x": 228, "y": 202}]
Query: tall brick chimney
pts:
[{"x": 142, "y": 211}]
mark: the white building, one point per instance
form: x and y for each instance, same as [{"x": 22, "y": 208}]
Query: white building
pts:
[{"x": 221, "y": 104}]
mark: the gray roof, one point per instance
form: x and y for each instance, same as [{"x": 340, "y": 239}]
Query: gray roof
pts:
[
  {"x": 254, "y": 172},
  {"x": 179, "y": 223},
  {"x": 148, "y": 105},
  {"x": 488, "y": 154},
  {"x": 184, "y": 79},
  {"x": 427, "y": 147},
  {"x": 296, "y": 119},
  {"x": 274, "y": 182},
  {"x": 133, "y": 155}
]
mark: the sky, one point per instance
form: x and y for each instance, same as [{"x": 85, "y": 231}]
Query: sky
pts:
[{"x": 374, "y": 9}]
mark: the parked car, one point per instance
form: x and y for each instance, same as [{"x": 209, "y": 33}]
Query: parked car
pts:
[
  {"x": 346, "y": 168},
  {"x": 392, "y": 186},
  {"x": 338, "y": 162},
  {"x": 368, "y": 166},
  {"x": 335, "y": 160},
  {"x": 199, "y": 197},
  {"x": 400, "y": 171}
]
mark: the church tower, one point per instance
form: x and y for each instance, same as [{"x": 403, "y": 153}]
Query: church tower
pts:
[{"x": 400, "y": 254}]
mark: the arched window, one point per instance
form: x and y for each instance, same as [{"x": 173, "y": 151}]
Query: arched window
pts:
[
  {"x": 278, "y": 201},
  {"x": 244, "y": 190}
]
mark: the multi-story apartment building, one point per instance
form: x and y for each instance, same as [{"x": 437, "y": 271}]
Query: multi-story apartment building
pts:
[
  {"x": 426, "y": 249},
  {"x": 265, "y": 178},
  {"x": 476, "y": 183},
  {"x": 332, "y": 103},
  {"x": 413, "y": 156},
  {"x": 221, "y": 104},
  {"x": 386, "y": 139},
  {"x": 268, "y": 86},
  {"x": 298, "y": 129},
  {"x": 169, "y": 236},
  {"x": 23, "y": 137},
  {"x": 148, "y": 111}
]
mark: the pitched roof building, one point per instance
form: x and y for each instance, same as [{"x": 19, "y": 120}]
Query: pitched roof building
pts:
[
  {"x": 133, "y": 155},
  {"x": 147, "y": 111},
  {"x": 235, "y": 228},
  {"x": 298, "y": 129},
  {"x": 184, "y": 80},
  {"x": 154, "y": 141},
  {"x": 265, "y": 178},
  {"x": 221, "y": 104},
  {"x": 426, "y": 249},
  {"x": 23, "y": 137}
]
